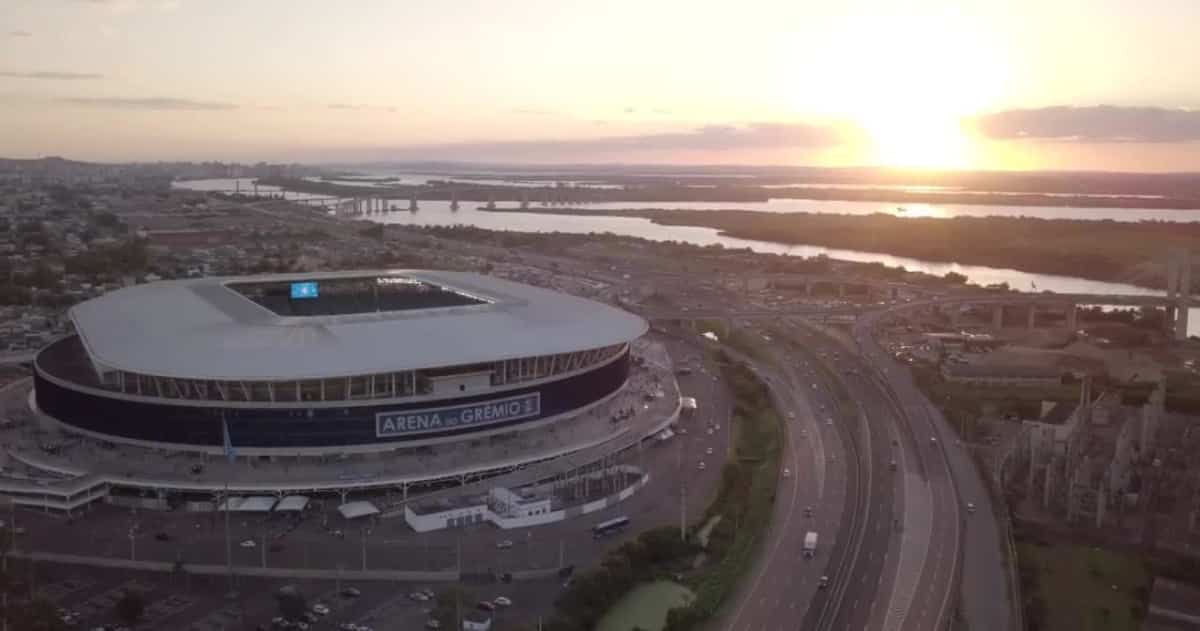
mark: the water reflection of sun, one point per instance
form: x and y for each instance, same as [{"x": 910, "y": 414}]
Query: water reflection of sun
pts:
[{"x": 921, "y": 210}]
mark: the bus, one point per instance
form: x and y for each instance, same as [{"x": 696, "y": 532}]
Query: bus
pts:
[{"x": 606, "y": 528}]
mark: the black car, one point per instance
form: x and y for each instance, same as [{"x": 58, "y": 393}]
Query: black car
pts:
[{"x": 162, "y": 536}]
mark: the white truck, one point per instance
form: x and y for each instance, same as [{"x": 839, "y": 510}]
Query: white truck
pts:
[{"x": 810, "y": 544}]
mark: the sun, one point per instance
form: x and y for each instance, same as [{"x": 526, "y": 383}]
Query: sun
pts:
[
  {"x": 908, "y": 82},
  {"x": 916, "y": 140}
]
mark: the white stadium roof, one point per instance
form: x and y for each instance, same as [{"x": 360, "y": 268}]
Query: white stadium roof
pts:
[{"x": 201, "y": 329}]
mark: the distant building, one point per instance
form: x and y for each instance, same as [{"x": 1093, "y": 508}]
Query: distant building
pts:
[
  {"x": 1001, "y": 375},
  {"x": 1084, "y": 458}
]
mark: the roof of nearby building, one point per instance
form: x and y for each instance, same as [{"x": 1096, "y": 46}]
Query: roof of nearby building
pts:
[
  {"x": 361, "y": 508},
  {"x": 292, "y": 503},
  {"x": 253, "y": 504},
  {"x": 1174, "y": 606},
  {"x": 1008, "y": 371},
  {"x": 202, "y": 329}
]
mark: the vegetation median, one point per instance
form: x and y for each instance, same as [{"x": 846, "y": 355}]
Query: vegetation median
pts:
[{"x": 744, "y": 501}]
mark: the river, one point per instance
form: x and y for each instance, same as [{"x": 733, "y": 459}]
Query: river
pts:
[{"x": 438, "y": 213}]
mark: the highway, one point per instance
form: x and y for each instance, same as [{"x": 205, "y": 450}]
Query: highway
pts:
[
  {"x": 955, "y": 481},
  {"x": 784, "y": 583},
  {"x": 861, "y": 595},
  {"x": 855, "y": 437},
  {"x": 890, "y": 569}
]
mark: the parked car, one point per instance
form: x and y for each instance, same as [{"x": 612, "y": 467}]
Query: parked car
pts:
[
  {"x": 485, "y": 605},
  {"x": 248, "y": 543},
  {"x": 321, "y": 609},
  {"x": 504, "y": 545},
  {"x": 351, "y": 592},
  {"x": 502, "y": 601}
]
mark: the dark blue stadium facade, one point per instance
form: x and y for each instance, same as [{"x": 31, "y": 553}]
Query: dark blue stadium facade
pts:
[{"x": 66, "y": 392}]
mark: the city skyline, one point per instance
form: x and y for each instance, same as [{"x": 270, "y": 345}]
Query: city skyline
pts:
[{"x": 1022, "y": 85}]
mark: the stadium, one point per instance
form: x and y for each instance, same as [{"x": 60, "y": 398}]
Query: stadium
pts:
[
  {"x": 333, "y": 363},
  {"x": 364, "y": 383}
]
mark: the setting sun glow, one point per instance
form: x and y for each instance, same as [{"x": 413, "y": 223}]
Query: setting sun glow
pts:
[{"x": 908, "y": 82}]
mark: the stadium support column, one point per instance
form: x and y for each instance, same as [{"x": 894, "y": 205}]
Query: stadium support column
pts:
[
  {"x": 998, "y": 317},
  {"x": 1032, "y": 315},
  {"x": 1072, "y": 316}
]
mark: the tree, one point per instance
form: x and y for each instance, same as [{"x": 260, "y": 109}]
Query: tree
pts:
[
  {"x": 292, "y": 603},
  {"x": 374, "y": 232},
  {"x": 130, "y": 607},
  {"x": 955, "y": 277}
]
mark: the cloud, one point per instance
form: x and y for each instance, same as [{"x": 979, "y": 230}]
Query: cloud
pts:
[
  {"x": 52, "y": 76},
  {"x": 361, "y": 107},
  {"x": 121, "y": 6},
  {"x": 533, "y": 111},
  {"x": 1094, "y": 124},
  {"x": 19, "y": 33},
  {"x": 712, "y": 138},
  {"x": 165, "y": 104}
]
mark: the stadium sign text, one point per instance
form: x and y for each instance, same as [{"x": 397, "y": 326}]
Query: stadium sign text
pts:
[{"x": 440, "y": 419}]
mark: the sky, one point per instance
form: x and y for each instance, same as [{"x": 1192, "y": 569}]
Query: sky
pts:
[{"x": 1003, "y": 84}]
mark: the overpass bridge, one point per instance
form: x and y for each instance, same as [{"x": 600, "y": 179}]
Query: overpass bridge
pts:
[{"x": 1067, "y": 304}]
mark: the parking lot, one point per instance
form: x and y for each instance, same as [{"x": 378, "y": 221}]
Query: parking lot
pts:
[{"x": 183, "y": 600}]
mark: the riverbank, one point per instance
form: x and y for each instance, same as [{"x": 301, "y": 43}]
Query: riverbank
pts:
[
  {"x": 447, "y": 187},
  {"x": 1122, "y": 252}
]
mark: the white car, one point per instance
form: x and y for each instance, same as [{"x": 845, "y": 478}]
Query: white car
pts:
[
  {"x": 701, "y": 466},
  {"x": 708, "y": 451},
  {"x": 321, "y": 609},
  {"x": 502, "y": 601},
  {"x": 970, "y": 507},
  {"x": 418, "y": 596},
  {"x": 787, "y": 473},
  {"x": 504, "y": 545},
  {"x": 248, "y": 543}
]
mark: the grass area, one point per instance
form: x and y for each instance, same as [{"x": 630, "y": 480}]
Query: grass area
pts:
[
  {"x": 646, "y": 607},
  {"x": 1072, "y": 587},
  {"x": 744, "y": 501}
]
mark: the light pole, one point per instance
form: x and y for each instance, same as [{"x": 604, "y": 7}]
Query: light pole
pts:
[
  {"x": 12, "y": 542},
  {"x": 364, "y": 548}
]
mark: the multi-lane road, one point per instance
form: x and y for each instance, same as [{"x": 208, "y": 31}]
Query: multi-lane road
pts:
[
  {"x": 785, "y": 586},
  {"x": 888, "y": 482},
  {"x": 978, "y": 558}
]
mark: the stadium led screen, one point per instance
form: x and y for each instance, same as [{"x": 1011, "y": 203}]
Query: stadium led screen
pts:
[{"x": 304, "y": 290}]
